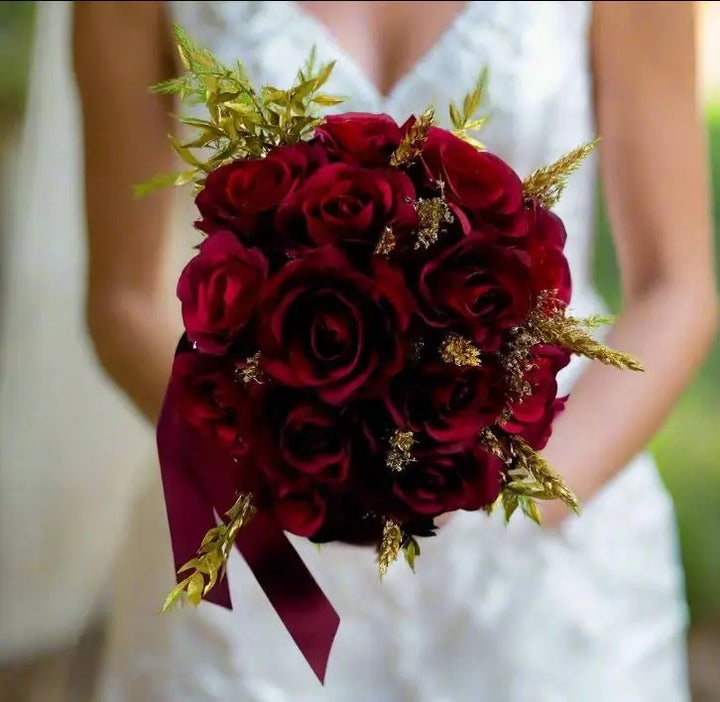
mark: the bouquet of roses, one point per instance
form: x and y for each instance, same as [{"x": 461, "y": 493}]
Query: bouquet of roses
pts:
[{"x": 374, "y": 324}]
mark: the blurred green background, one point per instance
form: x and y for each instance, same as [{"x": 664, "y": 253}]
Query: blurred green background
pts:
[
  {"x": 15, "y": 37},
  {"x": 687, "y": 448}
]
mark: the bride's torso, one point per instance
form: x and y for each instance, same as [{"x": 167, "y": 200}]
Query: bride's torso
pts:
[{"x": 539, "y": 92}]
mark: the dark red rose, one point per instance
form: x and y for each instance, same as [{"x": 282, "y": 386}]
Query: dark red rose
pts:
[
  {"x": 303, "y": 439},
  {"x": 238, "y": 195},
  {"x": 443, "y": 481},
  {"x": 476, "y": 289},
  {"x": 341, "y": 203},
  {"x": 359, "y": 138},
  {"x": 549, "y": 267},
  {"x": 299, "y": 511},
  {"x": 449, "y": 404},
  {"x": 210, "y": 398},
  {"x": 219, "y": 290},
  {"x": 328, "y": 327},
  {"x": 532, "y": 417},
  {"x": 482, "y": 186}
]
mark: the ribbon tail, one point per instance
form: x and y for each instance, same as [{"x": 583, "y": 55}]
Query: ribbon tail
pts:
[
  {"x": 199, "y": 478},
  {"x": 299, "y": 601},
  {"x": 190, "y": 515}
]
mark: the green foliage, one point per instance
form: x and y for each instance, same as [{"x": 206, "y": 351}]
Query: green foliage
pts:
[{"x": 16, "y": 25}]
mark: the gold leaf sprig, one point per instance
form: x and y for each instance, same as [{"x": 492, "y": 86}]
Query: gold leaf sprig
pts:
[
  {"x": 211, "y": 561},
  {"x": 411, "y": 145},
  {"x": 549, "y": 324},
  {"x": 529, "y": 476},
  {"x": 546, "y": 184},
  {"x": 459, "y": 351},
  {"x": 572, "y": 333},
  {"x": 390, "y": 545},
  {"x": 400, "y": 453},
  {"x": 242, "y": 122},
  {"x": 465, "y": 119},
  {"x": 528, "y": 463}
]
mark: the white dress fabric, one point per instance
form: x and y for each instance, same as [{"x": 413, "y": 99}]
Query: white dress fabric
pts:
[{"x": 494, "y": 613}]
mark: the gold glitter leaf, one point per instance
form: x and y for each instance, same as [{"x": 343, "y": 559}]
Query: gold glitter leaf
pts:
[
  {"x": 176, "y": 595},
  {"x": 530, "y": 509},
  {"x": 528, "y": 489},
  {"x": 328, "y": 100},
  {"x": 386, "y": 243},
  {"x": 510, "y": 503},
  {"x": 466, "y": 119},
  {"x": 459, "y": 351},
  {"x": 490, "y": 509},
  {"x": 389, "y": 546},
  {"x": 411, "y": 550},
  {"x": 432, "y": 214},
  {"x": 400, "y": 453},
  {"x": 195, "y": 588},
  {"x": 209, "y": 564},
  {"x": 547, "y": 184},
  {"x": 411, "y": 145},
  {"x": 252, "y": 373}
]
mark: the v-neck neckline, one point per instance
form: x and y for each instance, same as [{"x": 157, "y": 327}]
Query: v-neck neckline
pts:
[{"x": 349, "y": 63}]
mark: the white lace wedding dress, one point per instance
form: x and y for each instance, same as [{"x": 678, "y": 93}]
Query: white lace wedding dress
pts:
[{"x": 494, "y": 614}]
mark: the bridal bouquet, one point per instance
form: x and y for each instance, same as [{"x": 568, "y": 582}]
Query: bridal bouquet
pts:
[{"x": 374, "y": 322}]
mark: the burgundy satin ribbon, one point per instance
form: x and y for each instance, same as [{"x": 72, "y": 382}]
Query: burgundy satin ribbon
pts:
[{"x": 197, "y": 482}]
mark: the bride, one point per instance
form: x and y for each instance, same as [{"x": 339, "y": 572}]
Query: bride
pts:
[{"x": 584, "y": 610}]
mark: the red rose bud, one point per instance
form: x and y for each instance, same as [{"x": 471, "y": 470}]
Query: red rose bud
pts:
[
  {"x": 342, "y": 203},
  {"x": 219, "y": 290},
  {"x": 327, "y": 327},
  {"x": 238, "y": 195},
  {"x": 532, "y": 416},
  {"x": 359, "y": 138},
  {"x": 443, "y": 480},
  {"x": 476, "y": 289}
]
